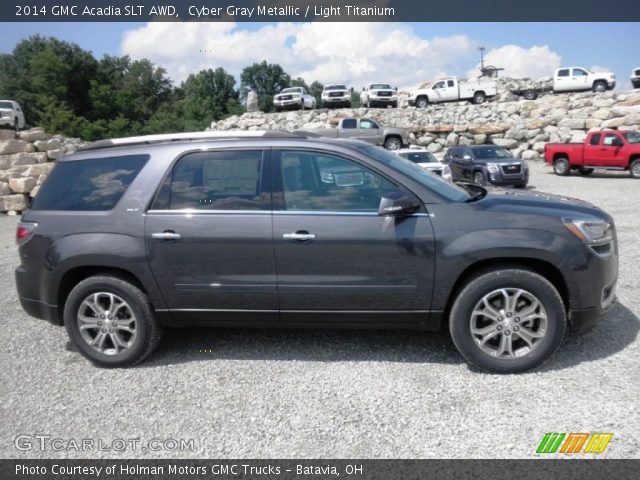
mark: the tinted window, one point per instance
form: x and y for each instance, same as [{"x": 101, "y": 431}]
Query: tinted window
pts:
[
  {"x": 450, "y": 83},
  {"x": 350, "y": 123},
  {"x": 217, "y": 181},
  {"x": 595, "y": 139},
  {"x": 563, "y": 73},
  {"x": 612, "y": 140},
  {"x": 491, "y": 152},
  {"x": 314, "y": 181},
  {"x": 86, "y": 185},
  {"x": 419, "y": 157}
]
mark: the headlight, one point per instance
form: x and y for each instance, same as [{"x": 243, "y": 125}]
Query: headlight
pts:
[
  {"x": 492, "y": 168},
  {"x": 446, "y": 172},
  {"x": 591, "y": 232}
]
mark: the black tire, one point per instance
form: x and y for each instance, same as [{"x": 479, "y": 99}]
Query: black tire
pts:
[
  {"x": 422, "y": 102},
  {"x": 483, "y": 284},
  {"x": 600, "y": 86},
  {"x": 277, "y": 109},
  {"x": 479, "y": 178},
  {"x": 585, "y": 171},
  {"x": 394, "y": 105},
  {"x": 634, "y": 168},
  {"x": 479, "y": 97},
  {"x": 561, "y": 166},
  {"x": 148, "y": 331},
  {"x": 393, "y": 143},
  {"x": 530, "y": 95}
]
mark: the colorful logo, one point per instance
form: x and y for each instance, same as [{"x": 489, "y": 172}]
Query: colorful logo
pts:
[{"x": 573, "y": 443}]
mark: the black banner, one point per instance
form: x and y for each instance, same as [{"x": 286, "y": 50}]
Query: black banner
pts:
[
  {"x": 541, "y": 469},
  {"x": 318, "y": 10}
]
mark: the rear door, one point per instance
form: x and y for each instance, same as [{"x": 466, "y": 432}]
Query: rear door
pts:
[
  {"x": 611, "y": 150},
  {"x": 563, "y": 80},
  {"x": 593, "y": 151},
  {"x": 209, "y": 237},
  {"x": 336, "y": 257},
  {"x": 349, "y": 128}
]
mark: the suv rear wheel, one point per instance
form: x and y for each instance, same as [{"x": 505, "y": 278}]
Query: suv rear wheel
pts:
[
  {"x": 507, "y": 320},
  {"x": 110, "y": 321}
]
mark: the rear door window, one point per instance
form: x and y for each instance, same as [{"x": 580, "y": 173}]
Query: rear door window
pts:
[
  {"x": 95, "y": 184},
  {"x": 223, "y": 180}
]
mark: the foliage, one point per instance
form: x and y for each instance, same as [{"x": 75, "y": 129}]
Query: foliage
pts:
[{"x": 65, "y": 89}]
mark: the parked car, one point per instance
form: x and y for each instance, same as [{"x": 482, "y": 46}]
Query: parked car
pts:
[
  {"x": 608, "y": 150},
  {"x": 11, "y": 115},
  {"x": 451, "y": 89},
  {"x": 575, "y": 79},
  {"x": 336, "y": 95},
  {"x": 295, "y": 98},
  {"x": 426, "y": 160},
  {"x": 482, "y": 164},
  {"x": 379, "y": 95},
  {"x": 391, "y": 138},
  {"x": 128, "y": 236},
  {"x": 635, "y": 78}
]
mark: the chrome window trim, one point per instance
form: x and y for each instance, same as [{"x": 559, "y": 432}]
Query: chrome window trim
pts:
[{"x": 274, "y": 212}]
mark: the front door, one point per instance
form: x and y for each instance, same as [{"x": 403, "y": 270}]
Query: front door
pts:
[
  {"x": 335, "y": 254},
  {"x": 369, "y": 131},
  {"x": 610, "y": 152},
  {"x": 209, "y": 237}
]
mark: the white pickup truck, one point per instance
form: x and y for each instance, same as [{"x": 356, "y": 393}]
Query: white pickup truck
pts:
[
  {"x": 11, "y": 115},
  {"x": 576, "y": 79},
  {"x": 379, "y": 95},
  {"x": 452, "y": 89}
]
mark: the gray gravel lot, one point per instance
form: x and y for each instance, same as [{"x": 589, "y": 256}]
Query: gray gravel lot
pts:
[{"x": 360, "y": 394}]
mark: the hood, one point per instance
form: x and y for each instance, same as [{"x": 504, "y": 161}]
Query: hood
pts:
[
  {"x": 498, "y": 160},
  {"x": 541, "y": 203}
]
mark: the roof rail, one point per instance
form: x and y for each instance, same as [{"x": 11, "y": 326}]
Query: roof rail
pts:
[{"x": 186, "y": 136}]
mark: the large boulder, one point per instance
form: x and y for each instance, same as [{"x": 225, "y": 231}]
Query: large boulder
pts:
[
  {"x": 15, "y": 146},
  {"x": 33, "y": 135},
  {"x": 252, "y": 102},
  {"x": 505, "y": 142},
  {"x": 6, "y": 134},
  {"x": 15, "y": 203},
  {"x": 22, "y": 184},
  {"x": 46, "y": 145}
]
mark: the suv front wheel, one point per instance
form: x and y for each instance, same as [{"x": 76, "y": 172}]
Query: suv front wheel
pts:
[
  {"x": 110, "y": 321},
  {"x": 507, "y": 320}
]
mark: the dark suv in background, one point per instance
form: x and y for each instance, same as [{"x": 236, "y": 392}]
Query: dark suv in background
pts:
[
  {"x": 274, "y": 229},
  {"x": 484, "y": 164}
]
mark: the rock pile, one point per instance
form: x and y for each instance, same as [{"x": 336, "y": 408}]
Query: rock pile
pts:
[
  {"x": 26, "y": 158},
  {"x": 522, "y": 126}
]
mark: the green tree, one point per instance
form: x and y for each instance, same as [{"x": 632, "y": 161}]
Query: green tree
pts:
[{"x": 267, "y": 80}]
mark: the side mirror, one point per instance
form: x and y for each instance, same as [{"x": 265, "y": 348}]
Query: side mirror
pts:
[{"x": 397, "y": 204}]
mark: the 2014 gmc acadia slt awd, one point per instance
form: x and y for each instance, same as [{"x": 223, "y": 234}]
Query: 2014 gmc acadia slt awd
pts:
[{"x": 261, "y": 229}]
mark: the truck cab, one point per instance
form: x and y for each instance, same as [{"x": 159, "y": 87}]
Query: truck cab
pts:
[{"x": 576, "y": 79}]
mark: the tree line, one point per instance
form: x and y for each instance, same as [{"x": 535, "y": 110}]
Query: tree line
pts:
[{"x": 66, "y": 90}]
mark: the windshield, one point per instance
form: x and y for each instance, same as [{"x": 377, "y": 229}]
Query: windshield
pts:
[
  {"x": 6, "y": 105},
  {"x": 632, "y": 137},
  {"x": 433, "y": 182},
  {"x": 335, "y": 87},
  {"x": 380, "y": 86},
  {"x": 291, "y": 90},
  {"x": 419, "y": 157},
  {"x": 491, "y": 152}
]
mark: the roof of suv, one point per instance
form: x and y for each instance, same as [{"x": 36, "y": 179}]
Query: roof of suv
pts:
[{"x": 212, "y": 138}]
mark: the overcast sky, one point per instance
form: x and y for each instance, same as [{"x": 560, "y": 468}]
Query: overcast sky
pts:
[{"x": 404, "y": 54}]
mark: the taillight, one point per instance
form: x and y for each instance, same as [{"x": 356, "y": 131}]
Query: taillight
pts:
[{"x": 24, "y": 232}]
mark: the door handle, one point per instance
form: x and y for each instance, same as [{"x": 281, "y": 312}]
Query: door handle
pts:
[
  {"x": 300, "y": 236},
  {"x": 166, "y": 235}
]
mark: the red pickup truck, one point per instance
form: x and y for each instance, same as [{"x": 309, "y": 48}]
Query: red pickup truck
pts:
[{"x": 607, "y": 149}]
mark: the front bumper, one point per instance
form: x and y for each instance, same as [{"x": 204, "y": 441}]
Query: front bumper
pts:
[
  {"x": 382, "y": 100},
  {"x": 282, "y": 104},
  {"x": 6, "y": 122},
  {"x": 335, "y": 101},
  {"x": 635, "y": 81},
  {"x": 611, "y": 84},
  {"x": 502, "y": 179}
]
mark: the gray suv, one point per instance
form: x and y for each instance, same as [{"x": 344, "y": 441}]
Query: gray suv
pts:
[{"x": 274, "y": 229}]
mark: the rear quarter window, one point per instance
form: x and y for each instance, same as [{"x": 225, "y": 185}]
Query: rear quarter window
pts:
[{"x": 95, "y": 184}]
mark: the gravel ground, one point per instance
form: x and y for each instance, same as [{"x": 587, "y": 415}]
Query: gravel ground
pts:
[{"x": 309, "y": 394}]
